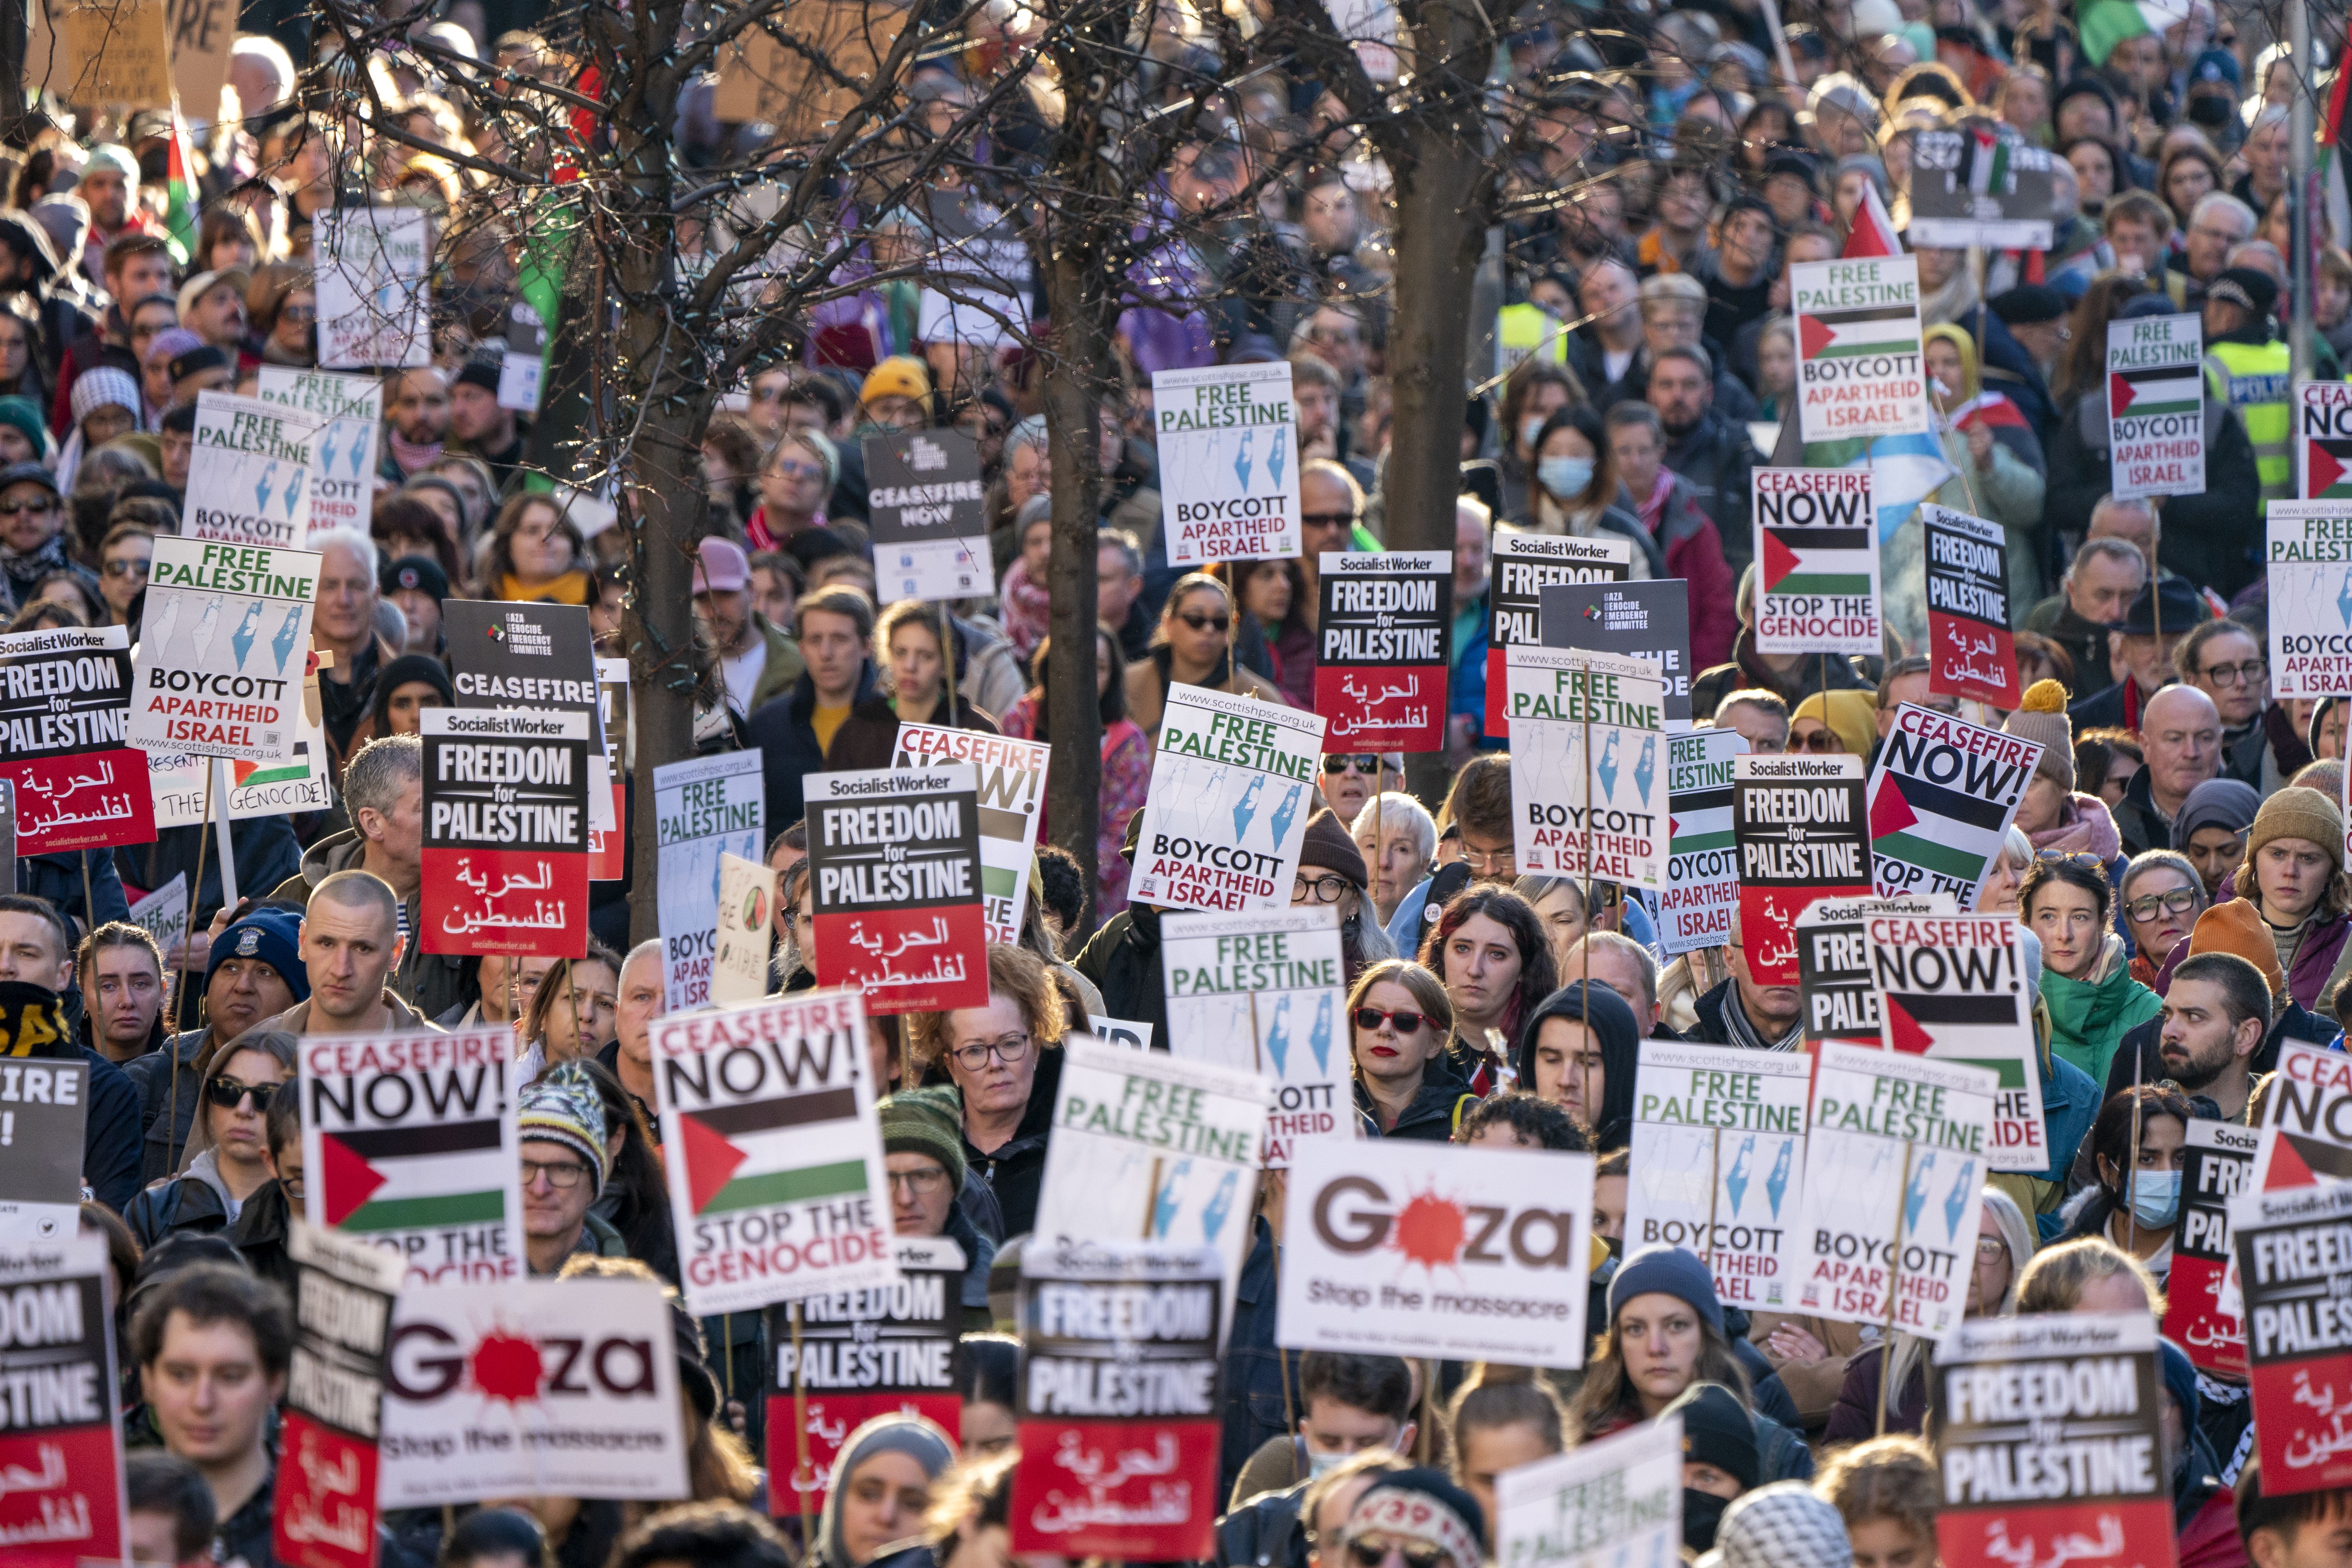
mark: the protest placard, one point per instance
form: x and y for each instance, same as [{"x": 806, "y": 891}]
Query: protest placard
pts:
[
  {"x": 1588, "y": 794},
  {"x": 65, "y": 713},
  {"x": 523, "y": 366},
  {"x": 62, "y": 1452},
  {"x": 2156, "y": 406},
  {"x": 44, "y": 1109},
  {"x": 323, "y": 1504},
  {"x": 1436, "y": 1249},
  {"x": 1817, "y": 582},
  {"x": 202, "y": 33},
  {"x": 1894, "y": 1167},
  {"x": 1608, "y": 1503},
  {"x": 1803, "y": 834},
  {"x": 221, "y": 650},
  {"x": 1228, "y": 462},
  {"x": 1118, "y": 1362},
  {"x": 1833, "y": 977},
  {"x": 2323, "y": 440},
  {"x": 747, "y": 926},
  {"x": 704, "y": 807},
  {"x": 505, "y": 852},
  {"x": 1702, "y": 863},
  {"x": 607, "y": 847},
  {"x": 533, "y": 657},
  {"x": 1941, "y": 800},
  {"x": 1647, "y": 621},
  {"x": 1266, "y": 993},
  {"x": 409, "y": 1141},
  {"x": 1383, "y": 633},
  {"x": 1523, "y": 565},
  {"x": 373, "y": 266},
  {"x": 1012, "y": 796},
  {"x": 2048, "y": 1429},
  {"x": 2293, "y": 1248},
  {"x": 163, "y": 913},
  {"x": 123, "y": 52},
  {"x": 532, "y": 1388},
  {"x": 1136, "y": 1036},
  {"x": 177, "y": 781},
  {"x": 249, "y": 472},
  {"x": 1954, "y": 988},
  {"x": 1718, "y": 1163},
  {"x": 2217, "y": 1164},
  {"x": 1234, "y": 779},
  {"x": 775, "y": 1157},
  {"x": 929, "y": 515},
  {"x": 1980, "y": 183},
  {"x": 2307, "y": 1119},
  {"x": 348, "y": 412},
  {"x": 1858, "y": 367},
  {"x": 894, "y": 870},
  {"x": 804, "y": 82},
  {"x": 2310, "y": 597},
  {"x": 1971, "y": 652}
]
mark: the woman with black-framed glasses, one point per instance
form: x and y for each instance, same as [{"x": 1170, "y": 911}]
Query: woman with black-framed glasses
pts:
[
  {"x": 2162, "y": 897},
  {"x": 228, "y": 1159},
  {"x": 1005, "y": 1061},
  {"x": 1398, "y": 1020}
]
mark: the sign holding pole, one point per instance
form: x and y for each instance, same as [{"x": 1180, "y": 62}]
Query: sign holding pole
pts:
[{"x": 1702, "y": 862}]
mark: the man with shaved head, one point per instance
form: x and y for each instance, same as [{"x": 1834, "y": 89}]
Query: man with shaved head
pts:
[
  {"x": 2180, "y": 737},
  {"x": 350, "y": 945}
]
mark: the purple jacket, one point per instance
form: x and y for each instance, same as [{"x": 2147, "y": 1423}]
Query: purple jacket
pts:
[{"x": 2314, "y": 962}]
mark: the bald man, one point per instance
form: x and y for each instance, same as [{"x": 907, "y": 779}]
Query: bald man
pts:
[
  {"x": 641, "y": 996},
  {"x": 350, "y": 944},
  {"x": 2180, "y": 734}
]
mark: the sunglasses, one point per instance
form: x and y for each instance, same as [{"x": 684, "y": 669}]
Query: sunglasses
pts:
[
  {"x": 2079, "y": 857},
  {"x": 1201, "y": 623},
  {"x": 19, "y": 509},
  {"x": 1822, "y": 741},
  {"x": 1327, "y": 519},
  {"x": 1359, "y": 764},
  {"x": 1370, "y": 1551},
  {"x": 229, "y": 1094},
  {"x": 1404, "y": 1022}
]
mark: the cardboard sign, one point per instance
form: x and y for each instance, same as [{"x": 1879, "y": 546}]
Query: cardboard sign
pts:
[
  {"x": 2217, "y": 1166},
  {"x": 523, "y": 366},
  {"x": 2293, "y": 1248},
  {"x": 929, "y": 515},
  {"x": 1718, "y": 1163},
  {"x": 1817, "y": 572},
  {"x": 2323, "y": 440},
  {"x": 2306, "y": 1128},
  {"x": 764, "y": 79},
  {"x": 1941, "y": 800},
  {"x": 1980, "y": 183},
  {"x": 2311, "y": 598},
  {"x": 2048, "y": 1429},
  {"x": 1859, "y": 370},
  {"x": 505, "y": 861},
  {"x": 178, "y": 783},
  {"x": 1893, "y": 1175},
  {"x": 123, "y": 51},
  {"x": 324, "y": 1503},
  {"x": 64, "y": 711},
  {"x": 2156, "y": 406},
  {"x": 1609, "y": 1503},
  {"x": 606, "y": 846},
  {"x": 61, "y": 1452},
  {"x": 773, "y": 1153},
  {"x": 1833, "y": 975},
  {"x": 222, "y": 650},
  {"x": 1012, "y": 796},
  {"x": 894, "y": 862},
  {"x": 1383, "y": 639},
  {"x": 1638, "y": 620},
  {"x": 1955, "y": 989},
  {"x": 1702, "y": 863},
  {"x": 1803, "y": 834},
  {"x": 1971, "y": 650},
  {"x": 373, "y": 267},
  {"x": 747, "y": 927},
  {"x": 1588, "y": 791},
  {"x": 1228, "y": 463},
  {"x": 348, "y": 414},
  {"x": 1265, "y": 993},
  {"x": 249, "y": 472},
  {"x": 43, "y": 1108},
  {"x": 163, "y": 913},
  {"x": 201, "y": 32},
  {"x": 1523, "y": 565},
  {"x": 1436, "y": 1249},
  {"x": 1234, "y": 779},
  {"x": 883, "y": 1350},
  {"x": 1118, "y": 1402},
  {"x": 704, "y": 807},
  {"x": 532, "y": 1388},
  {"x": 409, "y": 1143}
]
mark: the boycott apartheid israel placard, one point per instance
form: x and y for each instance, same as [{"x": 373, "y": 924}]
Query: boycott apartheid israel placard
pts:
[
  {"x": 323, "y": 1499},
  {"x": 1833, "y": 978},
  {"x": 2294, "y": 1248},
  {"x": 1234, "y": 779},
  {"x": 373, "y": 268},
  {"x": 1971, "y": 650},
  {"x": 1859, "y": 371},
  {"x": 1265, "y": 993},
  {"x": 1719, "y": 1163},
  {"x": 65, "y": 707},
  {"x": 348, "y": 415},
  {"x": 409, "y": 1141},
  {"x": 1941, "y": 800},
  {"x": 773, "y": 1154},
  {"x": 704, "y": 808},
  {"x": 1638, "y": 620},
  {"x": 223, "y": 644},
  {"x": 927, "y": 514},
  {"x": 505, "y": 857},
  {"x": 1801, "y": 832},
  {"x": 1228, "y": 463},
  {"x": 2323, "y": 440},
  {"x": 61, "y": 1447},
  {"x": 894, "y": 874},
  {"x": 2217, "y": 1164},
  {"x": 2310, "y": 558},
  {"x": 1383, "y": 633},
  {"x": 1523, "y": 565},
  {"x": 1118, "y": 1409},
  {"x": 1612, "y": 1502},
  {"x": 1894, "y": 1167},
  {"x": 2156, "y": 406},
  {"x": 1702, "y": 863},
  {"x": 1012, "y": 796},
  {"x": 1435, "y": 1249},
  {"x": 1954, "y": 988},
  {"x": 1817, "y": 562},
  {"x": 179, "y": 782},
  {"x": 2050, "y": 1439},
  {"x": 249, "y": 472},
  {"x": 1588, "y": 773}
]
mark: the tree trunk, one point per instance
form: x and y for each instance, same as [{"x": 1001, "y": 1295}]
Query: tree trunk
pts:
[{"x": 1073, "y": 719}]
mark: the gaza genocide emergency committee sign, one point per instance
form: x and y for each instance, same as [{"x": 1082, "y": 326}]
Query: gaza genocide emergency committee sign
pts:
[
  {"x": 1228, "y": 463},
  {"x": 65, "y": 706},
  {"x": 1817, "y": 562},
  {"x": 2311, "y": 598},
  {"x": 1233, "y": 783},
  {"x": 894, "y": 868},
  {"x": 222, "y": 648},
  {"x": 2156, "y": 406},
  {"x": 1265, "y": 993},
  {"x": 1859, "y": 370},
  {"x": 1702, "y": 863},
  {"x": 1719, "y": 1164},
  {"x": 928, "y": 515},
  {"x": 1381, "y": 634},
  {"x": 1587, "y": 766},
  {"x": 249, "y": 472},
  {"x": 505, "y": 832},
  {"x": 1523, "y": 566},
  {"x": 1941, "y": 801}
]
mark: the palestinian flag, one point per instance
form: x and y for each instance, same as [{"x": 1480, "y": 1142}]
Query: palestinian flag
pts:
[
  {"x": 1873, "y": 232},
  {"x": 2158, "y": 389},
  {"x": 1988, "y": 165},
  {"x": 1852, "y": 334},
  {"x": 2327, "y": 468},
  {"x": 1948, "y": 1028},
  {"x": 1698, "y": 820},
  {"x": 1945, "y": 830},
  {"x": 2300, "y": 1160},
  {"x": 759, "y": 1153},
  {"x": 181, "y": 218},
  {"x": 414, "y": 1178},
  {"x": 1814, "y": 559},
  {"x": 1990, "y": 409}
]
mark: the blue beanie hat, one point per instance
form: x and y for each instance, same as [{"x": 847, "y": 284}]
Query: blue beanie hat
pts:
[
  {"x": 1668, "y": 1270},
  {"x": 270, "y": 935}
]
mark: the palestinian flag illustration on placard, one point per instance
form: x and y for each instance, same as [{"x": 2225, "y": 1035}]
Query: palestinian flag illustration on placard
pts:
[
  {"x": 1849, "y": 334},
  {"x": 2303, "y": 1162},
  {"x": 1814, "y": 559},
  {"x": 2330, "y": 476},
  {"x": 1700, "y": 821},
  {"x": 1945, "y": 1027},
  {"x": 759, "y": 1153},
  {"x": 414, "y": 1178},
  {"x": 1924, "y": 824},
  {"x": 2157, "y": 389}
]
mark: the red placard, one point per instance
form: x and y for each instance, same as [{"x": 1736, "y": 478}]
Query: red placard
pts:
[
  {"x": 605, "y": 849},
  {"x": 832, "y": 1417},
  {"x": 324, "y": 1500},
  {"x": 1146, "y": 1491},
  {"x": 2217, "y": 1164},
  {"x": 907, "y": 961},
  {"x": 1801, "y": 829},
  {"x": 70, "y": 1511},
  {"x": 2301, "y": 1414},
  {"x": 2290, "y": 1250},
  {"x": 88, "y": 800},
  {"x": 522, "y": 902},
  {"x": 61, "y": 1456},
  {"x": 2124, "y": 1534}
]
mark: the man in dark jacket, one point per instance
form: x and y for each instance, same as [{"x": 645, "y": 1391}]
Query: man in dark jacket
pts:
[
  {"x": 255, "y": 972},
  {"x": 1743, "y": 1012},
  {"x": 1706, "y": 448},
  {"x": 834, "y": 627},
  {"x": 37, "y": 1022},
  {"x": 2141, "y": 656},
  {"x": 2093, "y": 598},
  {"x": 1122, "y": 958}
]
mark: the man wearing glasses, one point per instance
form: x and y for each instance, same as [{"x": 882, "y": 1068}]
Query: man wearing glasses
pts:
[
  {"x": 32, "y": 518},
  {"x": 2225, "y": 661},
  {"x": 1479, "y": 810},
  {"x": 923, "y": 1150},
  {"x": 563, "y": 1168}
]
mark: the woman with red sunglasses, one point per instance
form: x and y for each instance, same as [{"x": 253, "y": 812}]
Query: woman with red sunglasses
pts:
[{"x": 1399, "y": 1019}]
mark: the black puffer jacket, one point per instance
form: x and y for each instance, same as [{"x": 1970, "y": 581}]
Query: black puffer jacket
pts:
[
  {"x": 1433, "y": 1116},
  {"x": 1016, "y": 1171},
  {"x": 1122, "y": 960}
]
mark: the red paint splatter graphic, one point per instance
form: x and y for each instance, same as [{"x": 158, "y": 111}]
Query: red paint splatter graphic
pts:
[
  {"x": 506, "y": 1366},
  {"x": 1431, "y": 1231}
]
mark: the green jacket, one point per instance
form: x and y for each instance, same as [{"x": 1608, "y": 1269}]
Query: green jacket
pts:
[{"x": 2088, "y": 1018}]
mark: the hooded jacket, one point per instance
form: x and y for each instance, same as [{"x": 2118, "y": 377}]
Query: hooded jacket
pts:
[
  {"x": 2088, "y": 1018},
  {"x": 1613, "y": 1025},
  {"x": 431, "y": 982},
  {"x": 1122, "y": 960},
  {"x": 1015, "y": 1171}
]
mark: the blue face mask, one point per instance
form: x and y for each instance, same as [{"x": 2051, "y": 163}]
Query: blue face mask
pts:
[
  {"x": 2156, "y": 1197},
  {"x": 1568, "y": 477}
]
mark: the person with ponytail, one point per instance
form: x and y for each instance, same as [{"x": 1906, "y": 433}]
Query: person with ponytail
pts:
[{"x": 1503, "y": 1418}]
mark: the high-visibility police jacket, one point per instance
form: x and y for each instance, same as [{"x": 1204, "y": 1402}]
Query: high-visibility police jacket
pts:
[
  {"x": 2253, "y": 379},
  {"x": 1528, "y": 332}
]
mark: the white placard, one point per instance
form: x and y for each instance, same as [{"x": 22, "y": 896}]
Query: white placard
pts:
[
  {"x": 1859, "y": 367},
  {"x": 1228, "y": 462},
  {"x": 2156, "y": 406},
  {"x": 1266, "y": 993},
  {"x": 704, "y": 808},
  {"x": 2311, "y": 597},
  {"x": 1234, "y": 779},
  {"x": 1604, "y": 817},
  {"x": 372, "y": 267},
  {"x": 219, "y": 665},
  {"x": 1719, "y": 1164}
]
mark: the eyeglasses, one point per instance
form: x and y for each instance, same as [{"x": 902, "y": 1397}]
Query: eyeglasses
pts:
[
  {"x": 1328, "y": 889},
  {"x": 229, "y": 1094},
  {"x": 562, "y": 1177},
  {"x": 300, "y": 315},
  {"x": 929, "y": 1180},
  {"x": 1407, "y": 1022},
  {"x": 1822, "y": 741},
  {"x": 1991, "y": 1250},
  {"x": 974, "y": 1056},
  {"x": 133, "y": 567},
  {"x": 1327, "y": 519},
  {"x": 2247, "y": 673},
  {"x": 1362, "y": 763},
  {"x": 19, "y": 509},
  {"x": 1201, "y": 623},
  {"x": 2079, "y": 857},
  {"x": 799, "y": 470},
  {"x": 2177, "y": 902},
  {"x": 1489, "y": 862},
  {"x": 1372, "y": 1551}
]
